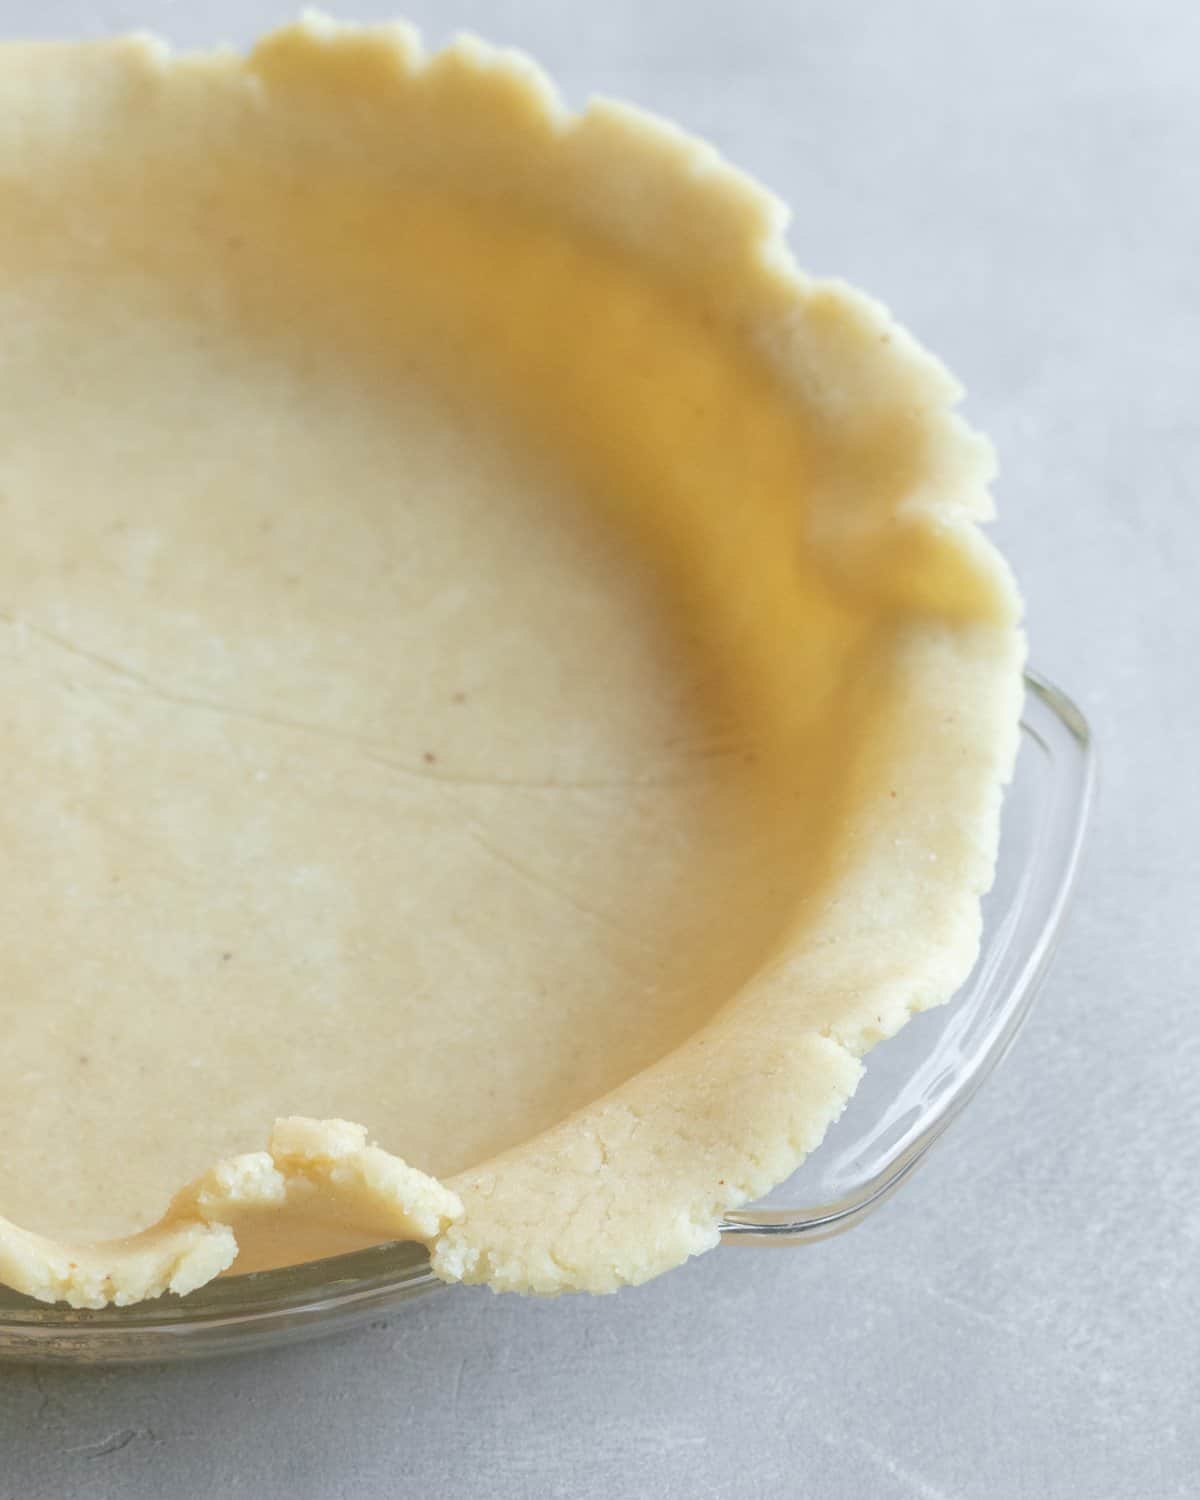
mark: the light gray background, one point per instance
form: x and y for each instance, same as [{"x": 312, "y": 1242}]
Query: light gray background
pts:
[{"x": 1020, "y": 182}]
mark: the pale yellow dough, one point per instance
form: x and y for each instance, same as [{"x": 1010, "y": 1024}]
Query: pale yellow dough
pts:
[{"x": 488, "y": 650}]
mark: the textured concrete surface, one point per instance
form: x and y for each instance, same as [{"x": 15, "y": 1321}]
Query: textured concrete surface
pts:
[{"x": 1022, "y": 183}]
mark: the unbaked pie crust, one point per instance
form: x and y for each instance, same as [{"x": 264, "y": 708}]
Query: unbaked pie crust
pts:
[{"x": 489, "y": 650}]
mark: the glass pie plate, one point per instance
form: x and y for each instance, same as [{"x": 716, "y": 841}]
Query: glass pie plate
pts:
[{"x": 915, "y": 1086}]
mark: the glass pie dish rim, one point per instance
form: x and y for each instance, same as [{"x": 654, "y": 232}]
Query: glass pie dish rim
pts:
[{"x": 295, "y": 1302}]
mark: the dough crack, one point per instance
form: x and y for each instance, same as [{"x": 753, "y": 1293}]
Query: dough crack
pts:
[
  {"x": 143, "y": 685},
  {"x": 535, "y": 877}
]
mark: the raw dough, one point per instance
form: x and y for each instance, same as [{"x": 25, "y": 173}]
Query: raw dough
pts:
[{"x": 488, "y": 649}]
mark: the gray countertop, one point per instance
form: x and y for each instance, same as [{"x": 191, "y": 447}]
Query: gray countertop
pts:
[{"x": 1021, "y": 182}]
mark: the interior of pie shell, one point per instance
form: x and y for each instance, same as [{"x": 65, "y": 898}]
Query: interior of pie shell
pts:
[{"x": 444, "y": 660}]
